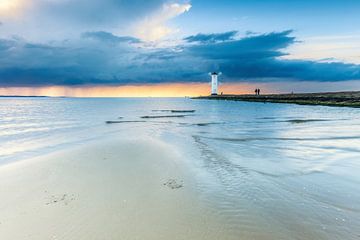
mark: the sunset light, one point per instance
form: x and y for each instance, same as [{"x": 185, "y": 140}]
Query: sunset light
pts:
[
  {"x": 7, "y": 5},
  {"x": 179, "y": 119}
]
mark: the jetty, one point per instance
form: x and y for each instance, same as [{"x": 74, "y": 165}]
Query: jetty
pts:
[{"x": 338, "y": 99}]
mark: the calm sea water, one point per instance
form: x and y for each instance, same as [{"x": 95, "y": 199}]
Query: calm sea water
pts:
[{"x": 285, "y": 170}]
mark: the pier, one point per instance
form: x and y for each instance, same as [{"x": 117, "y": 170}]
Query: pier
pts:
[{"x": 338, "y": 99}]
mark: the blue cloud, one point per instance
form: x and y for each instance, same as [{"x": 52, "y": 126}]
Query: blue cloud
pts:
[
  {"x": 109, "y": 37},
  {"x": 6, "y": 44},
  {"x": 258, "y": 56},
  {"x": 253, "y": 47},
  {"x": 211, "y": 38},
  {"x": 90, "y": 60}
]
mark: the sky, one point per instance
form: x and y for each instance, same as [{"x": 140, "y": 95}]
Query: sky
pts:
[{"x": 167, "y": 47}]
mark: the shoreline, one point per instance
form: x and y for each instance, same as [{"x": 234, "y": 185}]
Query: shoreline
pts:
[
  {"x": 70, "y": 194},
  {"x": 333, "y": 99},
  {"x": 223, "y": 171}
]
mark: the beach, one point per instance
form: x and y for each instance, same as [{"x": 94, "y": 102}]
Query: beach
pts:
[
  {"x": 179, "y": 120},
  {"x": 106, "y": 190},
  {"x": 177, "y": 169}
]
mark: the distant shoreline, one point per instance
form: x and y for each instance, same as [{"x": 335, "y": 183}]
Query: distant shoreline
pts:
[
  {"x": 335, "y": 99},
  {"x": 19, "y": 96}
]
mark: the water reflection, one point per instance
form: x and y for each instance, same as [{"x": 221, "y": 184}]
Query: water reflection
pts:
[{"x": 285, "y": 171}]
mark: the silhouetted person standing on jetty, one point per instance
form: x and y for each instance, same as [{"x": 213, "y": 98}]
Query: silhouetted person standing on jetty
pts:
[{"x": 258, "y": 91}]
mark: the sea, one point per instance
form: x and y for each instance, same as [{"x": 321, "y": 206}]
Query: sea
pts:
[{"x": 288, "y": 169}]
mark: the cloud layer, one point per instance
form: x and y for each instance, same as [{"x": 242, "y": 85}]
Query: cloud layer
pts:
[
  {"x": 212, "y": 38},
  {"x": 105, "y": 59}
]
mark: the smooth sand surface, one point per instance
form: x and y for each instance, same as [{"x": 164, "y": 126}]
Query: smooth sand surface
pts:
[{"x": 117, "y": 189}]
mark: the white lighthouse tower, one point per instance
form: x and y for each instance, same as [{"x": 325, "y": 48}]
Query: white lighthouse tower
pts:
[{"x": 214, "y": 82}]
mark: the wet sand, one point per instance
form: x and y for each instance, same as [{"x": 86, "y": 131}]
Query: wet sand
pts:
[{"x": 134, "y": 189}]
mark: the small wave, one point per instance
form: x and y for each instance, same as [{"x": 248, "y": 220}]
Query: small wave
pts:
[
  {"x": 113, "y": 122},
  {"x": 298, "y": 121},
  {"x": 295, "y": 174},
  {"x": 206, "y": 124},
  {"x": 248, "y": 139},
  {"x": 267, "y": 118},
  {"x": 166, "y": 116},
  {"x": 174, "y": 111},
  {"x": 182, "y": 111}
]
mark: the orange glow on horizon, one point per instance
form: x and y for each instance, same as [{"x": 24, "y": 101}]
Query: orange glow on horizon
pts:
[
  {"x": 151, "y": 90},
  {"x": 179, "y": 89}
]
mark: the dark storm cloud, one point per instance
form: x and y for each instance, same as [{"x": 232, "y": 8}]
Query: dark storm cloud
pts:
[
  {"x": 214, "y": 37},
  {"x": 254, "y": 47},
  {"x": 109, "y": 37},
  {"x": 5, "y": 45},
  {"x": 258, "y": 57},
  {"x": 126, "y": 60},
  {"x": 290, "y": 69}
]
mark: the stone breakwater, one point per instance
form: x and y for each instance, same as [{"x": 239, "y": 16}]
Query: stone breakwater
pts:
[{"x": 339, "y": 99}]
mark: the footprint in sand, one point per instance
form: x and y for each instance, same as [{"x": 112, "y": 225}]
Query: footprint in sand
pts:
[
  {"x": 173, "y": 184},
  {"x": 64, "y": 198}
]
